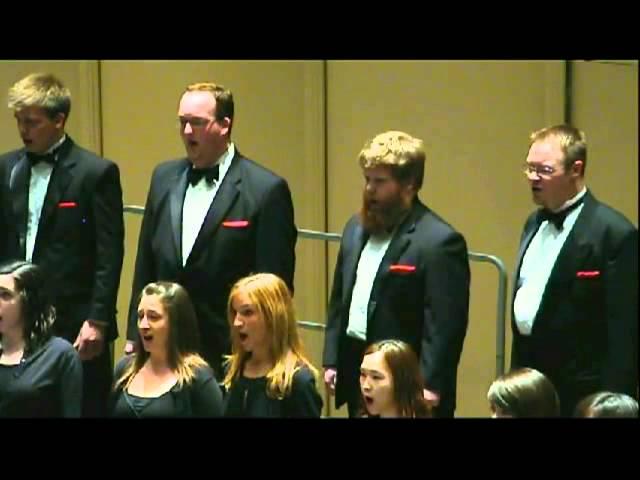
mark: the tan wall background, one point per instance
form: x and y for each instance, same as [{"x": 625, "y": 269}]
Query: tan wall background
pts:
[
  {"x": 474, "y": 116},
  {"x": 605, "y": 106}
]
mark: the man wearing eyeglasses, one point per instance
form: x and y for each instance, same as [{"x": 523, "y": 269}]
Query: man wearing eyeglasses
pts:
[
  {"x": 575, "y": 303},
  {"x": 211, "y": 218}
]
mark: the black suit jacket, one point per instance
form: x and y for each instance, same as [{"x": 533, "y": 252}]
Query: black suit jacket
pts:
[
  {"x": 428, "y": 307},
  {"x": 249, "y": 228},
  {"x": 585, "y": 334},
  {"x": 80, "y": 239}
]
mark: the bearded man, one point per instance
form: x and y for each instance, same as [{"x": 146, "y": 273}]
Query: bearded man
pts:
[{"x": 402, "y": 273}]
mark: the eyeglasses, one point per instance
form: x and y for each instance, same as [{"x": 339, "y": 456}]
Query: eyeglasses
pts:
[
  {"x": 195, "y": 122},
  {"x": 540, "y": 171}
]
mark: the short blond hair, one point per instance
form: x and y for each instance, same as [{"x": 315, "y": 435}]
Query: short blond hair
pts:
[
  {"x": 572, "y": 141},
  {"x": 40, "y": 90},
  {"x": 403, "y": 153}
]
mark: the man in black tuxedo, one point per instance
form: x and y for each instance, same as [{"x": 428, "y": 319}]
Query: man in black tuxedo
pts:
[
  {"x": 61, "y": 208},
  {"x": 575, "y": 302},
  {"x": 212, "y": 218},
  {"x": 402, "y": 273}
]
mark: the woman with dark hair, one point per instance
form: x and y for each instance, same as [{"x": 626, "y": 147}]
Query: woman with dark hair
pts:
[
  {"x": 268, "y": 373},
  {"x": 165, "y": 377},
  {"x": 40, "y": 374},
  {"x": 391, "y": 383},
  {"x": 523, "y": 393}
]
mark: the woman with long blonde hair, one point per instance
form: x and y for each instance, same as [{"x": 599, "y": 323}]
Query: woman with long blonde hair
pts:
[
  {"x": 268, "y": 374},
  {"x": 165, "y": 377}
]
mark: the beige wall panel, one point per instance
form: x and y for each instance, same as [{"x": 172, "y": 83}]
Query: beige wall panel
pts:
[
  {"x": 605, "y": 106},
  {"x": 279, "y": 122},
  {"x": 475, "y": 118},
  {"x": 81, "y": 77}
]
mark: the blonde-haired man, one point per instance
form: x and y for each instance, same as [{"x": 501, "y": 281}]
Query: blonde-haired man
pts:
[
  {"x": 61, "y": 208},
  {"x": 402, "y": 273}
]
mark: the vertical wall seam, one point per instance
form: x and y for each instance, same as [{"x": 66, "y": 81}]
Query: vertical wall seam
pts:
[
  {"x": 568, "y": 91},
  {"x": 100, "y": 114}
]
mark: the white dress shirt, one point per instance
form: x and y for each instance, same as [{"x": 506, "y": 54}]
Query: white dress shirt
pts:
[
  {"x": 197, "y": 201},
  {"x": 368, "y": 266},
  {"x": 38, "y": 186},
  {"x": 537, "y": 264}
]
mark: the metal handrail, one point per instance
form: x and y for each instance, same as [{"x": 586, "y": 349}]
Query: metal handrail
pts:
[
  {"x": 474, "y": 256},
  {"x": 500, "y": 305},
  {"x": 133, "y": 209},
  {"x": 312, "y": 234}
]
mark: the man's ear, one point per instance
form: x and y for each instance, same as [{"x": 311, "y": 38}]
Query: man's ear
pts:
[
  {"x": 60, "y": 119},
  {"x": 409, "y": 191},
  {"x": 225, "y": 123},
  {"x": 577, "y": 168}
]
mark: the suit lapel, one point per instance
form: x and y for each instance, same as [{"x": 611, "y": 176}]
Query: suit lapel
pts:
[
  {"x": 399, "y": 244},
  {"x": 526, "y": 240},
  {"x": 223, "y": 201},
  {"x": 575, "y": 246},
  {"x": 19, "y": 187},
  {"x": 356, "y": 241},
  {"x": 61, "y": 177},
  {"x": 176, "y": 200}
]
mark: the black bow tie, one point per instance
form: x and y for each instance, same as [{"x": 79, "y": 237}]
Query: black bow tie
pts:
[
  {"x": 34, "y": 158},
  {"x": 557, "y": 218},
  {"x": 210, "y": 174}
]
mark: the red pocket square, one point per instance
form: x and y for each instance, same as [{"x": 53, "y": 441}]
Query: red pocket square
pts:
[
  {"x": 67, "y": 205},
  {"x": 235, "y": 223},
  {"x": 402, "y": 268},
  {"x": 588, "y": 274}
]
